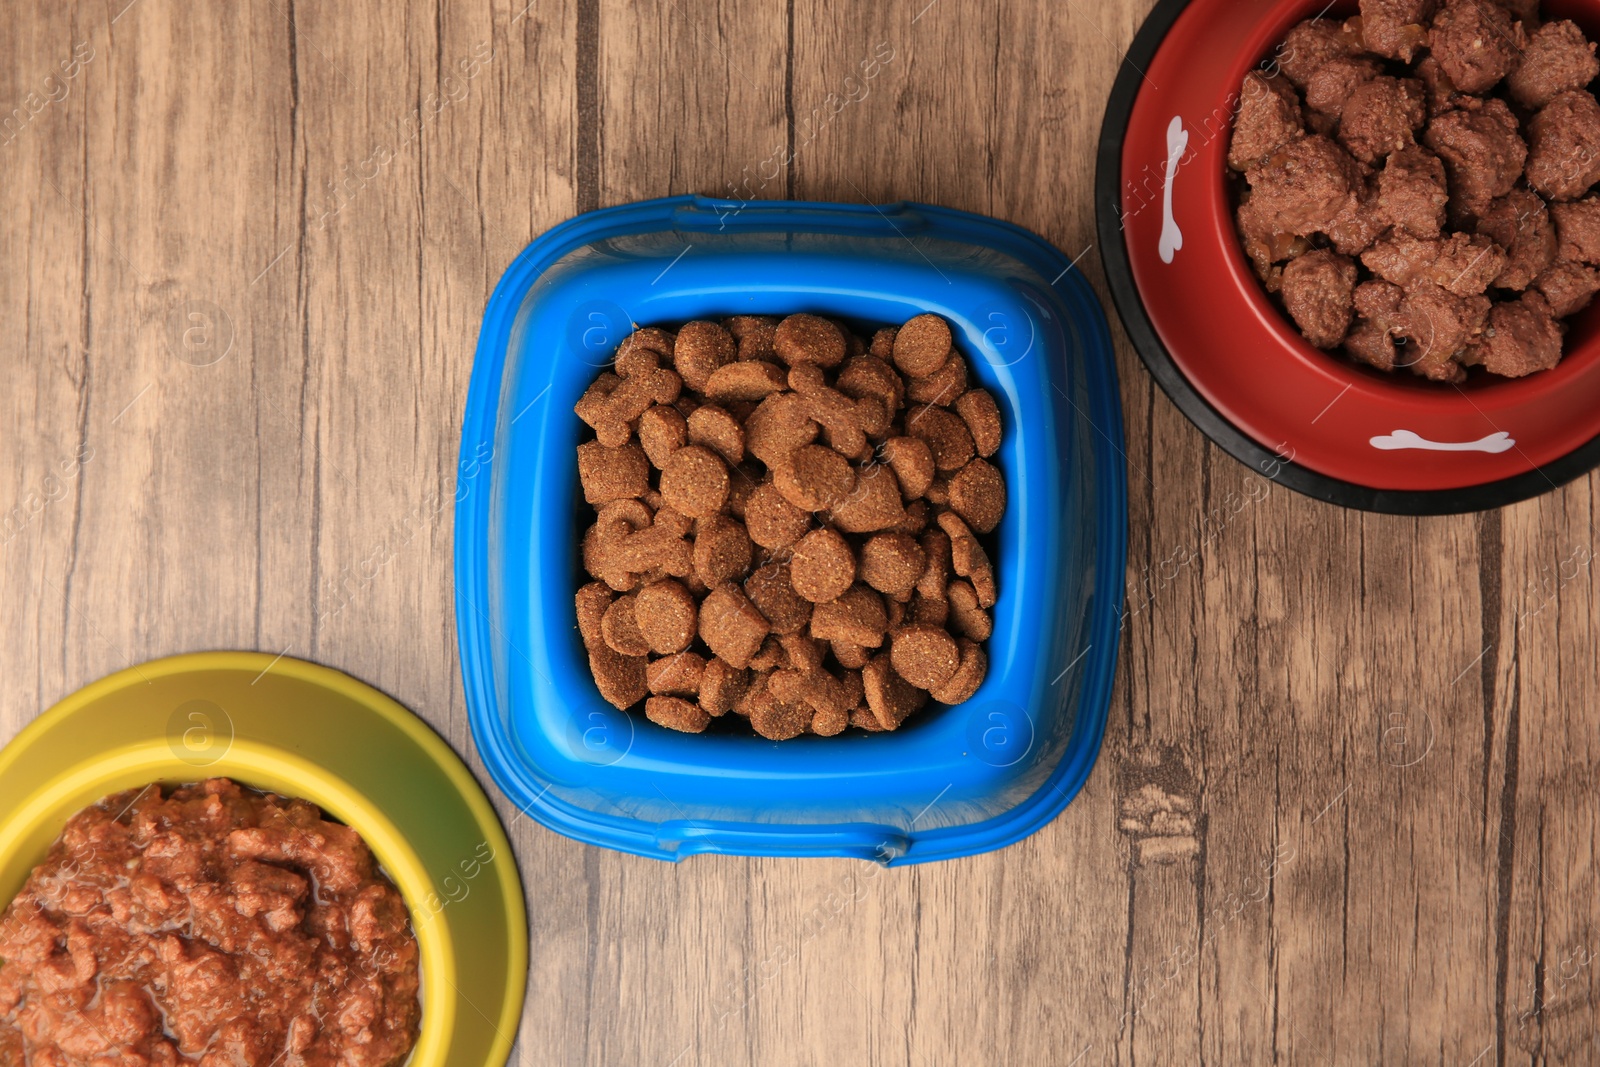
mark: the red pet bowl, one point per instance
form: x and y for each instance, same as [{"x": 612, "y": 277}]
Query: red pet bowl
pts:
[{"x": 1229, "y": 358}]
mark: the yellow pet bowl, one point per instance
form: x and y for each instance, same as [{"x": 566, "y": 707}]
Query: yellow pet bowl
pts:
[{"x": 301, "y": 730}]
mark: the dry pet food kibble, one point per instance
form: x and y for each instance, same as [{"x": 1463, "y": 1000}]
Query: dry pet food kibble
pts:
[
  {"x": 790, "y": 522},
  {"x": 1416, "y": 186}
]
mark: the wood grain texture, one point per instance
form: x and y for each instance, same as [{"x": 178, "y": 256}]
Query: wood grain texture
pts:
[{"x": 1347, "y": 810}]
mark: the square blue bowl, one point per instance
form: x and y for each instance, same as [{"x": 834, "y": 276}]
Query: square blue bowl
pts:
[{"x": 952, "y": 781}]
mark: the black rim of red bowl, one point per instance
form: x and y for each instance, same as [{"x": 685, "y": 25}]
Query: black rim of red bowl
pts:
[{"x": 1158, "y": 361}]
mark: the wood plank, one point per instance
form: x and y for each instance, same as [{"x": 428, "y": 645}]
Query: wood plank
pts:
[{"x": 1346, "y": 811}]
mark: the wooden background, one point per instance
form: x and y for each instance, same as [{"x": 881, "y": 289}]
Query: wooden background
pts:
[{"x": 1347, "y": 809}]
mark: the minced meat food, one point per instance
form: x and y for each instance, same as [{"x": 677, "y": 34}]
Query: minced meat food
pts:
[
  {"x": 1416, "y": 184},
  {"x": 207, "y": 925}
]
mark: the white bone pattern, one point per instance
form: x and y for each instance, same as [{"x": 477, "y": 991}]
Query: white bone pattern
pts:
[
  {"x": 1407, "y": 439},
  {"x": 1177, "y": 145}
]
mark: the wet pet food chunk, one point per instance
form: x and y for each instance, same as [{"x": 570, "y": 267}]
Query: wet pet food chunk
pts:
[
  {"x": 1413, "y": 193},
  {"x": 1303, "y": 185},
  {"x": 168, "y": 921},
  {"x": 1564, "y": 146},
  {"x": 1558, "y": 59},
  {"x": 1483, "y": 152},
  {"x": 1417, "y": 188},
  {"x": 1269, "y": 116},
  {"x": 1476, "y": 43},
  {"x": 1318, "y": 290},
  {"x": 1396, "y": 29}
]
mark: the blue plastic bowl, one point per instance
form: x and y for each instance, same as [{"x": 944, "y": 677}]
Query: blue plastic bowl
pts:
[{"x": 952, "y": 781}]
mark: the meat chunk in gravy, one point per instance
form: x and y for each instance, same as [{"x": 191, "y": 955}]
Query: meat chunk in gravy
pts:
[{"x": 207, "y": 925}]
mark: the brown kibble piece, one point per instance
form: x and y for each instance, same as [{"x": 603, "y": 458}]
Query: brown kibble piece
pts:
[
  {"x": 620, "y": 679},
  {"x": 863, "y": 719},
  {"x": 769, "y": 588},
  {"x": 662, "y": 431},
  {"x": 773, "y": 521},
  {"x": 814, "y": 688},
  {"x": 968, "y": 676},
  {"x": 978, "y": 494},
  {"x": 891, "y": 563},
  {"x": 666, "y": 616},
  {"x": 626, "y": 541},
  {"x": 930, "y": 610},
  {"x": 874, "y": 504},
  {"x": 745, "y": 380},
  {"x": 613, "y": 402},
  {"x": 604, "y": 544},
  {"x": 801, "y": 651},
  {"x": 780, "y": 424},
  {"x": 770, "y": 656},
  {"x": 846, "y": 422},
  {"x": 912, "y": 462},
  {"x": 809, "y": 339},
  {"x": 756, "y": 684},
  {"x": 695, "y": 482},
  {"x": 982, "y": 416},
  {"x": 722, "y": 550},
  {"x": 713, "y": 427},
  {"x": 814, "y": 478},
  {"x": 778, "y": 720},
  {"x": 742, "y": 483},
  {"x": 731, "y": 626},
  {"x": 608, "y": 474},
  {"x": 652, "y": 339},
  {"x": 969, "y": 559},
  {"x": 702, "y": 348},
  {"x": 830, "y": 722},
  {"x": 883, "y": 343},
  {"x": 592, "y": 602},
  {"x": 620, "y": 628},
  {"x": 721, "y": 686},
  {"x": 823, "y": 566},
  {"x": 870, "y": 376},
  {"x": 675, "y": 713},
  {"x": 967, "y": 616},
  {"x": 943, "y": 387},
  {"x": 936, "y": 573},
  {"x": 891, "y": 698},
  {"x": 852, "y": 657},
  {"x": 921, "y": 346},
  {"x": 857, "y": 618},
  {"x": 755, "y": 334},
  {"x": 678, "y": 675},
  {"x": 916, "y": 519},
  {"x": 945, "y": 434},
  {"x": 924, "y": 655}
]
